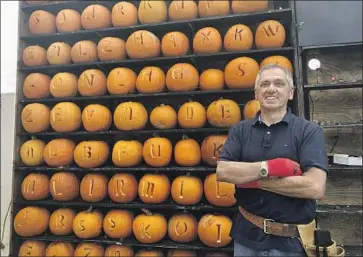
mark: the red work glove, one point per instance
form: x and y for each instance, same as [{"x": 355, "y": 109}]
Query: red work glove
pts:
[{"x": 282, "y": 167}]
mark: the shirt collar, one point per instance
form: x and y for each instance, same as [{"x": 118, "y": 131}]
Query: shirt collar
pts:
[{"x": 286, "y": 119}]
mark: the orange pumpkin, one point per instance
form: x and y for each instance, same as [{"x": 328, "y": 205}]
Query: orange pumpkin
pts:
[
  {"x": 163, "y": 117},
  {"x": 270, "y": 34},
  {"x": 31, "y": 221},
  {"x": 111, "y": 49},
  {"x": 118, "y": 224},
  {"x": 93, "y": 187},
  {"x": 219, "y": 193},
  {"x": 34, "y": 56},
  {"x": 211, "y": 79},
  {"x": 119, "y": 250},
  {"x": 214, "y": 229},
  {"x": 65, "y": 117},
  {"x": 124, "y": 14},
  {"x": 59, "y": 152},
  {"x": 122, "y": 188},
  {"x": 207, "y": 41},
  {"x": 89, "y": 249},
  {"x": 152, "y": 12},
  {"x": 251, "y": 109},
  {"x": 223, "y": 113},
  {"x": 154, "y": 188},
  {"x": 142, "y": 44},
  {"x": 182, "y": 10},
  {"x": 92, "y": 82},
  {"x": 151, "y": 79},
  {"x": 68, "y": 20},
  {"x": 245, "y": 6},
  {"x": 35, "y": 187},
  {"x": 36, "y": 85},
  {"x": 91, "y": 154},
  {"x": 184, "y": 253},
  {"x": 149, "y": 228},
  {"x": 127, "y": 153},
  {"x": 42, "y": 22},
  {"x": 174, "y": 43},
  {"x": 96, "y": 117},
  {"x": 87, "y": 224},
  {"x": 130, "y": 116},
  {"x": 64, "y": 84},
  {"x": 278, "y": 60},
  {"x": 192, "y": 115},
  {"x": 84, "y": 51},
  {"x": 121, "y": 81},
  {"x": 96, "y": 16},
  {"x": 182, "y": 77},
  {"x": 60, "y": 222},
  {"x": 187, "y": 152},
  {"x": 183, "y": 228},
  {"x": 157, "y": 151},
  {"x": 207, "y": 8},
  {"x": 241, "y": 72},
  {"x": 64, "y": 186},
  {"x": 239, "y": 37},
  {"x": 187, "y": 190},
  {"x": 35, "y": 117},
  {"x": 59, "y": 249},
  {"x": 59, "y": 53},
  {"x": 211, "y": 148},
  {"x": 32, "y": 248},
  {"x": 31, "y": 152},
  {"x": 149, "y": 253}
]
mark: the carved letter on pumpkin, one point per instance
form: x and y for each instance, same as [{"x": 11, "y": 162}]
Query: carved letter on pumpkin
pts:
[
  {"x": 148, "y": 190},
  {"x": 119, "y": 185},
  {"x": 219, "y": 226},
  {"x": 181, "y": 230},
  {"x": 190, "y": 113},
  {"x": 87, "y": 152},
  {"x": 144, "y": 231},
  {"x": 177, "y": 73},
  {"x": 59, "y": 222},
  {"x": 28, "y": 114},
  {"x": 89, "y": 79},
  {"x": 54, "y": 189},
  {"x": 225, "y": 111},
  {"x": 217, "y": 149},
  {"x": 238, "y": 33},
  {"x": 31, "y": 184},
  {"x": 91, "y": 187},
  {"x": 219, "y": 195},
  {"x": 155, "y": 153},
  {"x": 57, "y": 115},
  {"x": 181, "y": 189}
]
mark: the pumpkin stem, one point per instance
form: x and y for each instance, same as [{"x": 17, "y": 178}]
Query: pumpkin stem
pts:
[
  {"x": 162, "y": 104},
  {"x": 188, "y": 174},
  {"x": 147, "y": 212},
  {"x": 90, "y": 209},
  {"x": 33, "y": 137},
  {"x": 184, "y": 137}
]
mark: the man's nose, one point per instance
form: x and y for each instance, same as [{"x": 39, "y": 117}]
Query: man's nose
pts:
[{"x": 271, "y": 88}]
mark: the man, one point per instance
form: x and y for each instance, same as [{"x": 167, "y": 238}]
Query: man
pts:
[{"x": 279, "y": 165}]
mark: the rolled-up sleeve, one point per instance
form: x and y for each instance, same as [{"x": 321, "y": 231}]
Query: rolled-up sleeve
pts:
[{"x": 232, "y": 148}]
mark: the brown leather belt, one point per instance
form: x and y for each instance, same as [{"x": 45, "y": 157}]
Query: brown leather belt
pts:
[{"x": 269, "y": 226}]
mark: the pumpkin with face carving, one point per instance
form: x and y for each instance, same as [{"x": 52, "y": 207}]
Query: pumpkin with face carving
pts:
[
  {"x": 149, "y": 227},
  {"x": 87, "y": 224},
  {"x": 183, "y": 228}
]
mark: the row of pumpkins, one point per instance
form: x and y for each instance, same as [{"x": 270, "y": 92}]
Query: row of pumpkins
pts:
[
  {"x": 143, "y": 44},
  {"x": 240, "y": 73},
  {"x": 125, "y": 14},
  {"x": 212, "y": 229},
  {"x": 124, "y": 188}
]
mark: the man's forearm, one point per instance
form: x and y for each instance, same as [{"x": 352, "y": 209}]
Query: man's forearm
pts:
[{"x": 238, "y": 172}]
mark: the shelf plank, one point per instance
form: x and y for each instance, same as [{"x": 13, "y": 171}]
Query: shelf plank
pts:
[{"x": 333, "y": 86}]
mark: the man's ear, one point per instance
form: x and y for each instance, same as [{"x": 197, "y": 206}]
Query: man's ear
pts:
[{"x": 291, "y": 94}]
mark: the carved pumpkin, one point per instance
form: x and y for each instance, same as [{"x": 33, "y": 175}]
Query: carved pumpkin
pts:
[
  {"x": 211, "y": 79},
  {"x": 118, "y": 224},
  {"x": 184, "y": 253},
  {"x": 61, "y": 249},
  {"x": 96, "y": 16},
  {"x": 31, "y": 221},
  {"x": 124, "y": 14},
  {"x": 130, "y": 116},
  {"x": 214, "y": 229},
  {"x": 111, "y": 49},
  {"x": 36, "y": 85},
  {"x": 65, "y": 117},
  {"x": 151, "y": 79},
  {"x": 174, "y": 43},
  {"x": 192, "y": 115},
  {"x": 96, "y": 117},
  {"x": 121, "y": 81},
  {"x": 94, "y": 187},
  {"x": 239, "y": 37},
  {"x": 127, "y": 153},
  {"x": 32, "y": 248},
  {"x": 92, "y": 82},
  {"x": 207, "y": 41},
  {"x": 59, "y": 53},
  {"x": 64, "y": 84},
  {"x": 211, "y": 148},
  {"x": 35, "y": 187},
  {"x": 34, "y": 56},
  {"x": 182, "y": 77},
  {"x": 68, "y": 20},
  {"x": 59, "y": 152},
  {"x": 213, "y": 8},
  {"x": 245, "y": 6},
  {"x": 88, "y": 224},
  {"x": 278, "y": 60},
  {"x": 163, "y": 117},
  {"x": 183, "y": 228},
  {"x": 64, "y": 186},
  {"x": 219, "y": 193},
  {"x": 182, "y": 10},
  {"x": 152, "y": 12},
  {"x": 61, "y": 220},
  {"x": 157, "y": 151},
  {"x": 89, "y": 250},
  {"x": 142, "y": 44},
  {"x": 223, "y": 113},
  {"x": 241, "y": 72},
  {"x": 149, "y": 228},
  {"x": 187, "y": 190},
  {"x": 251, "y": 108},
  {"x": 149, "y": 253},
  {"x": 270, "y": 34},
  {"x": 84, "y": 51},
  {"x": 42, "y": 22},
  {"x": 35, "y": 117},
  {"x": 154, "y": 188},
  {"x": 31, "y": 152},
  {"x": 187, "y": 152},
  {"x": 122, "y": 188},
  {"x": 91, "y": 154},
  {"x": 119, "y": 250}
]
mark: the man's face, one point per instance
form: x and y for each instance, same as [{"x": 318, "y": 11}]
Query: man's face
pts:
[{"x": 273, "y": 90}]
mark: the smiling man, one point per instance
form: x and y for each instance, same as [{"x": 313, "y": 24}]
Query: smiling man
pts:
[{"x": 279, "y": 165}]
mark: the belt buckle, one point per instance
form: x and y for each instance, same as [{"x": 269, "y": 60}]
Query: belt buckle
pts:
[{"x": 265, "y": 225}]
